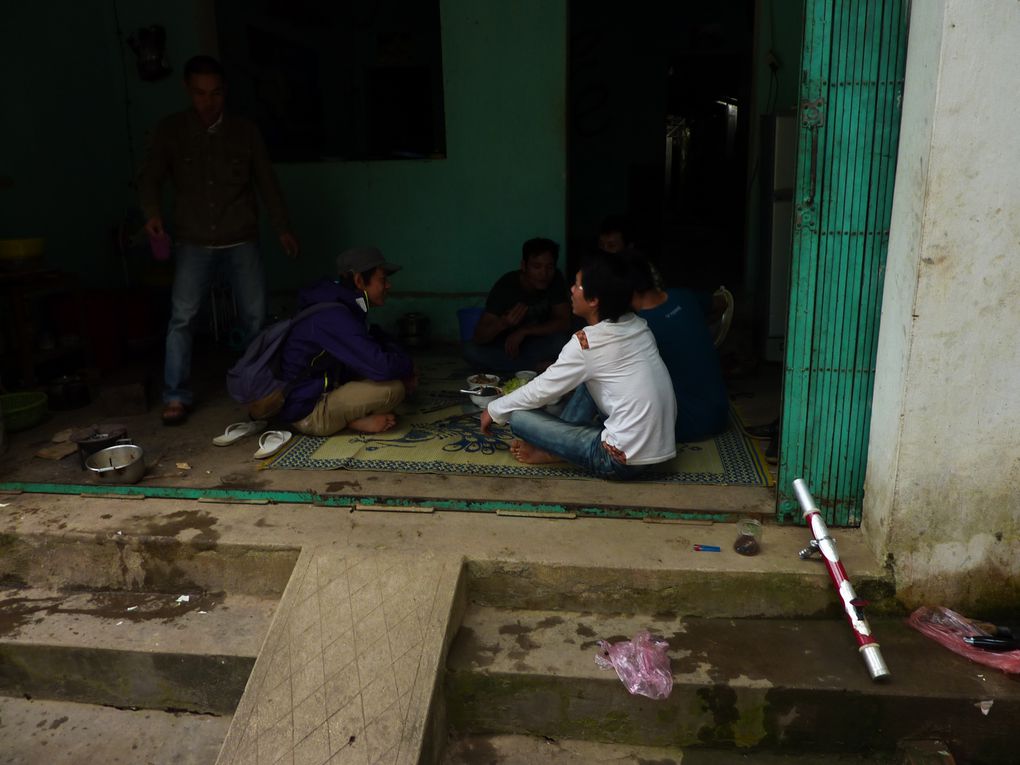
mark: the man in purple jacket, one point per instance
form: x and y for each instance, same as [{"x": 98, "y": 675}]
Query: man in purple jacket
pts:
[{"x": 343, "y": 373}]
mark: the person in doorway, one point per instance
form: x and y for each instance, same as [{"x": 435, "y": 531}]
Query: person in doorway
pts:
[
  {"x": 615, "y": 234},
  {"x": 527, "y": 317},
  {"x": 217, "y": 162},
  {"x": 616, "y": 360},
  {"x": 342, "y": 373}
]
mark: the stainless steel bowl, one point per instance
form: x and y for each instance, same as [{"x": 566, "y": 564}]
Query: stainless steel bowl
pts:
[
  {"x": 491, "y": 394},
  {"x": 124, "y": 463}
]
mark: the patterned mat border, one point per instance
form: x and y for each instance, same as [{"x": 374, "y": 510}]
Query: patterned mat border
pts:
[{"x": 742, "y": 461}]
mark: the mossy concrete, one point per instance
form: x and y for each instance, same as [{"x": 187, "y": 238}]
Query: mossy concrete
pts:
[
  {"x": 720, "y": 717},
  {"x": 150, "y": 562},
  {"x": 748, "y": 685},
  {"x": 126, "y": 679},
  {"x": 546, "y": 706},
  {"x": 36, "y": 731},
  {"x": 516, "y": 584},
  {"x": 437, "y": 723},
  {"x": 626, "y": 565},
  {"x": 539, "y": 750}
]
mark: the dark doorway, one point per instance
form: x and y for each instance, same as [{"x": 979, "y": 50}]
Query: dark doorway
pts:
[{"x": 660, "y": 110}]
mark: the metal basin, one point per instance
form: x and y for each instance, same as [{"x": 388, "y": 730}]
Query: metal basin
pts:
[{"x": 124, "y": 463}]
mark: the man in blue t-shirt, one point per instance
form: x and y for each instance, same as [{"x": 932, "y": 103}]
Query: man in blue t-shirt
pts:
[
  {"x": 527, "y": 315},
  {"x": 678, "y": 320}
]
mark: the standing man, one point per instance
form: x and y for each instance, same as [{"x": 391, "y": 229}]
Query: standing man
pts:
[
  {"x": 527, "y": 316},
  {"x": 216, "y": 162},
  {"x": 615, "y": 358}
]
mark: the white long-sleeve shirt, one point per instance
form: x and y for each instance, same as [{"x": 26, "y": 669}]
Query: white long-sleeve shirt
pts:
[{"x": 619, "y": 362}]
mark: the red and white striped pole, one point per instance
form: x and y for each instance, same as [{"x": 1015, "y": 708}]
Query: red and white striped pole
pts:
[{"x": 826, "y": 545}]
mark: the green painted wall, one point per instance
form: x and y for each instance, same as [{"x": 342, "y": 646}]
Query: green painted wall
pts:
[
  {"x": 63, "y": 153},
  {"x": 455, "y": 224}
]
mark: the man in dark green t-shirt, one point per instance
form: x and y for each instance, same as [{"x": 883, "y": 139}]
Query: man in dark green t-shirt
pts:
[{"x": 527, "y": 315}]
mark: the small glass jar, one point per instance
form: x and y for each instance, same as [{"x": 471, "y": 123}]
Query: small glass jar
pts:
[{"x": 748, "y": 541}]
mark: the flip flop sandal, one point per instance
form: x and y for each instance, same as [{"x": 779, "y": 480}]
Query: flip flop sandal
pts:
[
  {"x": 239, "y": 430},
  {"x": 271, "y": 442}
]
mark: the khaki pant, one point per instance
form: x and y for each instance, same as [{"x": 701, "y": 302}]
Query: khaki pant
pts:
[{"x": 351, "y": 401}]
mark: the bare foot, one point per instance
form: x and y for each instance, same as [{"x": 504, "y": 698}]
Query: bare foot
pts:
[
  {"x": 373, "y": 423},
  {"x": 531, "y": 455}
]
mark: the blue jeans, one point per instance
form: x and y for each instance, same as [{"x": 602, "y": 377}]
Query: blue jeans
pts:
[
  {"x": 492, "y": 358},
  {"x": 579, "y": 443},
  {"x": 193, "y": 277},
  {"x": 581, "y": 408}
]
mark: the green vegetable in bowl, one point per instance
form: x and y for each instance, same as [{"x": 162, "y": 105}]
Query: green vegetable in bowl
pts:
[{"x": 513, "y": 384}]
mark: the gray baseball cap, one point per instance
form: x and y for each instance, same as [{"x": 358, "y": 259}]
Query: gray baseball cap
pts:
[{"x": 360, "y": 259}]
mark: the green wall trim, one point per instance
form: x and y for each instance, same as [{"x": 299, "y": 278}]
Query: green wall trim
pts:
[{"x": 241, "y": 496}]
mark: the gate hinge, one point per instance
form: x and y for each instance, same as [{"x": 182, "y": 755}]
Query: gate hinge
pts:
[{"x": 812, "y": 113}]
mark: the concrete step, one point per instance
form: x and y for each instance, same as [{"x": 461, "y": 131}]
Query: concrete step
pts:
[
  {"x": 35, "y": 732},
  {"x": 527, "y": 750},
  {"x": 775, "y": 685},
  {"x": 698, "y": 584},
  {"x": 156, "y": 561},
  {"x": 189, "y": 651}
]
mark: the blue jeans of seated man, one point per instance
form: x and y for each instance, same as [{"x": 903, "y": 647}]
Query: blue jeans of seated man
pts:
[
  {"x": 195, "y": 269},
  {"x": 578, "y": 443},
  {"x": 491, "y": 357},
  {"x": 581, "y": 408}
]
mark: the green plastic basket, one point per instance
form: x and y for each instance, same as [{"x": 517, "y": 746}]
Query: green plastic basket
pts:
[{"x": 22, "y": 410}]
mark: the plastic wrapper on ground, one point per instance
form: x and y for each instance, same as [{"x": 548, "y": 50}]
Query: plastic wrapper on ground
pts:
[
  {"x": 642, "y": 664},
  {"x": 950, "y": 628}
]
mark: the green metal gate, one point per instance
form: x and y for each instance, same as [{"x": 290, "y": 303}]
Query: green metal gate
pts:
[{"x": 851, "y": 95}]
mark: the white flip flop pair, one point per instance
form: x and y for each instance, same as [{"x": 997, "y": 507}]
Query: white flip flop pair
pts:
[{"x": 270, "y": 442}]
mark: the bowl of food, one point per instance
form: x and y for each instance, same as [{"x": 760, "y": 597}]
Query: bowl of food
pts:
[
  {"x": 483, "y": 394},
  {"x": 482, "y": 378},
  {"x": 526, "y": 374}
]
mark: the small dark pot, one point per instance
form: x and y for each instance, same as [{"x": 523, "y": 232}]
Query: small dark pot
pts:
[
  {"x": 91, "y": 440},
  {"x": 414, "y": 330}
]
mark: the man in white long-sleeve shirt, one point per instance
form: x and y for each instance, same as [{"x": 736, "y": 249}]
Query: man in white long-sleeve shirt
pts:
[{"x": 616, "y": 358}]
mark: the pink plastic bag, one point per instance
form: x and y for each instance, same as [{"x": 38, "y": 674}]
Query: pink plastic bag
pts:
[
  {"x": 642, "y": 664},
  {"x": 950, "y": 628}
]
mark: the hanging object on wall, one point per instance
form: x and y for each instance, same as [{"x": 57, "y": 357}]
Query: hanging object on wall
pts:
[{"x": 149, "y": 46}]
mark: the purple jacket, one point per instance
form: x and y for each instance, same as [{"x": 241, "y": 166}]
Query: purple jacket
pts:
[{"x": 334, "y": 346}]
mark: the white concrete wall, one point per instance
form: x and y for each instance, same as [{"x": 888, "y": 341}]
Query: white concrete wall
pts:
[{"x": 942, "y": 493}]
